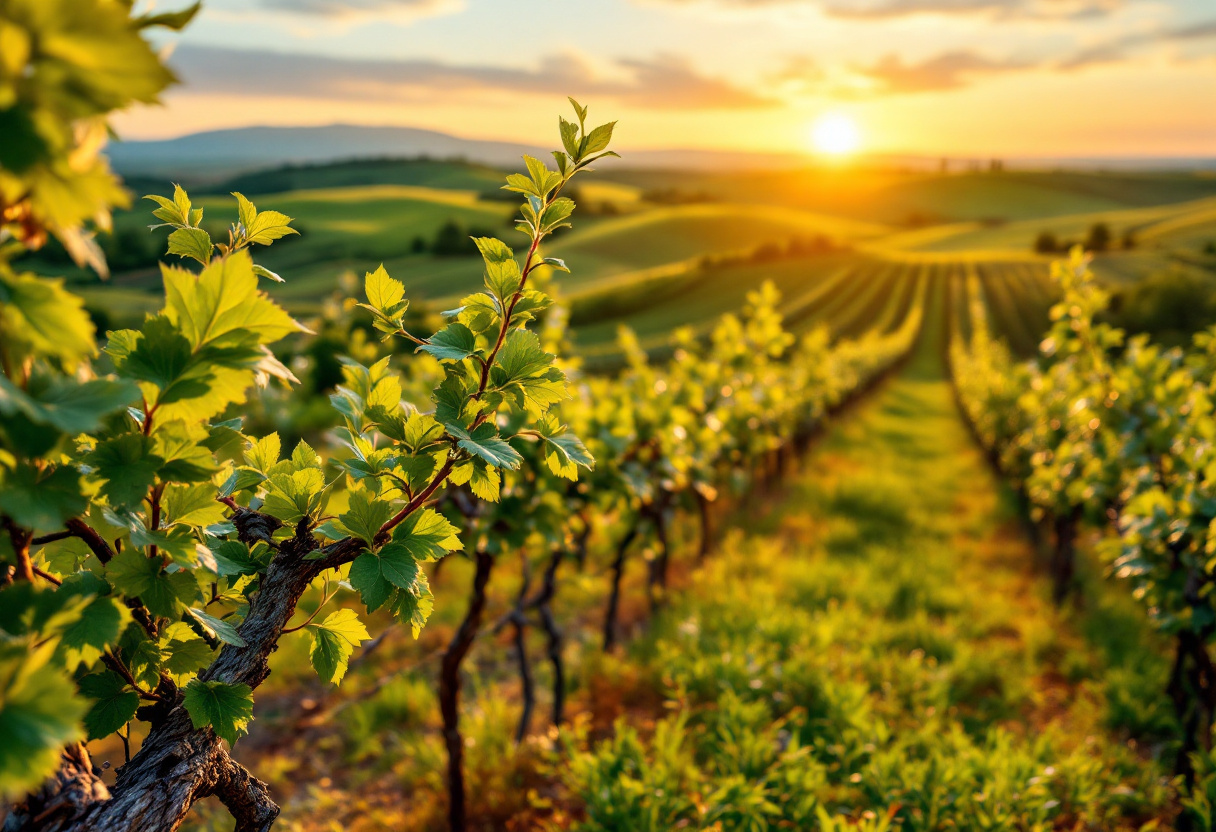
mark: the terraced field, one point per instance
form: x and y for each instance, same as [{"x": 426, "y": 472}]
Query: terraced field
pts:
[{"x": 654, "y": 266}]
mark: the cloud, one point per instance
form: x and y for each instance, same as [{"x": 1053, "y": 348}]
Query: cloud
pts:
[
  {"x": 661, "y": 82},
  {"x": 948, "y": 71},
  {"x": 893, "y": 75},
  {"x": 872, "y": 9},
  {"x": 352, "y": 8},
  {"x": 1198, "y": 38}
]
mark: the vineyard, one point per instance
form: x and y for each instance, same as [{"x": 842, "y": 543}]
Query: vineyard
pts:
[{"x": 684, "y": 505}]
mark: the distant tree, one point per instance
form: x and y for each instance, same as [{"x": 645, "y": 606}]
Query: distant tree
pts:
[
  {"x": 450, "y": 240},
  {"x": 454, "y": 240},
  {"x": 996, "y": 166},
  {"x": 1169, "y": 305},
  {"x": 1099, "y": 237},
  {"x": 418, "y": 246},
  {"x": 1046, "y": 243},
  {"x": 1210, "y": 248},
  {"x": 1129, "y": 239}
]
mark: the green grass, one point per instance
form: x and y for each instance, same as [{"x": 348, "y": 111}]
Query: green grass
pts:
[
  {"x": 431, "y": 173},
  {"x": 888, "y": 195},
  {"x": 667, "y": 234},
  {"x": 878, "y": 646},
  {"x": 645, "y": 267}
]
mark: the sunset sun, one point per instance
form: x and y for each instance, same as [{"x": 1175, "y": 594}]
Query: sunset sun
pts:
[{"x": 835, "y": 134}]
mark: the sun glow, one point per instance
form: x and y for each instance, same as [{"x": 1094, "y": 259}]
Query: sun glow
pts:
[{"x": 835, "y": 134}]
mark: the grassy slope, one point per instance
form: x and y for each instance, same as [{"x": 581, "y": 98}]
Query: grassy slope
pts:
[
  {"x": 891, "y": 196},
  {"x": 1186, "y": 223}
]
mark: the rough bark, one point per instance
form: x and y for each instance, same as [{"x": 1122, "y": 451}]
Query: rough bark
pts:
[
  {"x": 71, "y": 790},
  {"x": 178, "y": 765},
  {"x": 449, "y": 689}
]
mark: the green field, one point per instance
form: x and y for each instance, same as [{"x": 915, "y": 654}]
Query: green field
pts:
[{"x": 658, "y": 250}]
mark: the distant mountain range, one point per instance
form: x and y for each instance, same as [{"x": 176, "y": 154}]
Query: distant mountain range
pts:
[
  {"x": 226, "y": 152},
  {"x": 222, "y": 153}
]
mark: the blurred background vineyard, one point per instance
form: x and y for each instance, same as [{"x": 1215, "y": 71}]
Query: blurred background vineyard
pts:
[{"x": 873, "y": 645}]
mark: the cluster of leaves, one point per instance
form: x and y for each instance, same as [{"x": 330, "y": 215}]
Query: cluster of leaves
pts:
[
  {"x": 65, "y": 65},
  {"x": 727, "y": 401},
  {"x": 143, "y": 527},
  {"x": 109, "y": 498},
  {"x": 1119, "y": 430}
]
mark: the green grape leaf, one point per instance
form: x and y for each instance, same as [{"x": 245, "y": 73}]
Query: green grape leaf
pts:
[
  {"x": 556, "y": 214},
  {"x": 184, "y": 656},
  {"x": 384, "y": 294},
  {"x": 521, "y": 357},
  {"x": 291, "y": 497},
  {"x": 194, "y": 243},
  {"x": 366, "y": 515},
  {"x": 187, "y": 461},
  {"x": 135, "y": 575},
  {"x": 485, "y": 442},
  {"x": 43, "y": 499},
  {"x": 39, "y": 714},
  {"x": 228, "y": 709},
  {"x": 485, "y": 482},
  {"x": 455, "y": 342},
  {"x": 262, "y": 227},
  {"x": 127, "y": 464},
  {"x": 565, "y": 454},
  {"x": 232, "y": 558},
  {"x": 99, "y": 626},
  {"x": 426, "y": 535},
  {"x": 414, "y": 607},
  {"x": 223, "y": 305},
  {"x": 366, "y": 577},
  {"x": 598, "y": 139},
  {"x": 217, "y": 628},
  {"x": 334, "y": 639},
  {"x": 569, "y": 132},
  {"x": 144, "y": 656},
  {"x": 263, "y": 453},
  {"x": 113, "y": 705},
  {"x": 64, "y": 403},
  {"x": 192, "y": 505},
  {"x": 37, "y": 313},
  {"x": 503, "y": 276}
]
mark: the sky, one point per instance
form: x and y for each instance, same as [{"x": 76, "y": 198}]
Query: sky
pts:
[{"x": 999, "y": 78}]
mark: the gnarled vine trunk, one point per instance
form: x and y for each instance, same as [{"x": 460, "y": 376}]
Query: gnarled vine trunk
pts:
[
  {"x": 449, "y": 689},
  {"x": 614, "y": 597},
  {"x": 1064, "y": 555},
  {"x": 553, "y": 634},
  {"x": 656, "y": 584},
  {"x": 178, "y": 765},
  {"x": 705, "y": 546}
]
